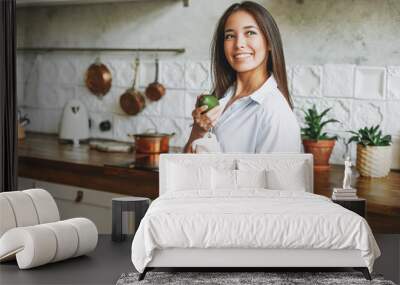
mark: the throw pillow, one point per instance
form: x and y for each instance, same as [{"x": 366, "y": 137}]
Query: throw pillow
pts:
[
  {"x": 182, "y": 177},
  {"x": 292, "y": 179},
  {"x": 223, "y": 179},
  {"x": 251, "y": 178}
]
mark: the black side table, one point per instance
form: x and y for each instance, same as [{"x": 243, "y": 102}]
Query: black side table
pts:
[
  {"x": 139, "y": 205},
  {"x": 357, "y": 205}
]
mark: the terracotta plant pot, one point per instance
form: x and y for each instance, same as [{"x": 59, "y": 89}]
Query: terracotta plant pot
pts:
[
  {"x": 373, "y": 161},
  {"x": 321, "y": 151}
]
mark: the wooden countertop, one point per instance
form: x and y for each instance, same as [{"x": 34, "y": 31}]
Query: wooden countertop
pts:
[
  {"x": 42, "y": 157},
  {"x": 48, "y": 147},
  {"x": 382, "y": 195}
]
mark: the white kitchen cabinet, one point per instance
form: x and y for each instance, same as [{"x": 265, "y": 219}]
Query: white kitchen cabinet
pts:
[{"x": 75, "y": 202}]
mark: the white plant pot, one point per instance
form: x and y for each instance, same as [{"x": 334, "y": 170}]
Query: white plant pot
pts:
[{"x": 374, "y": 161}]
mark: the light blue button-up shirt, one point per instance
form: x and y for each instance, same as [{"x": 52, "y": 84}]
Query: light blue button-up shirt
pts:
[{"x": 259, "y": 123}]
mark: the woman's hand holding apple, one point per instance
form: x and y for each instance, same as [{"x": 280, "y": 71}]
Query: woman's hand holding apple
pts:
[{"x": 203, "y": 121}]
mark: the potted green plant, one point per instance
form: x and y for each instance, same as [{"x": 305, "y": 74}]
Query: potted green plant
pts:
[
  {"x": 315, "y": 140},
  {"x": 373, "y": 151}
]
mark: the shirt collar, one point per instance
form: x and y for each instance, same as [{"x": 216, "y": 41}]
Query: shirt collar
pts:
[
  {"x": 259, "y": 95},
  {"x": 269, "y": 86}
]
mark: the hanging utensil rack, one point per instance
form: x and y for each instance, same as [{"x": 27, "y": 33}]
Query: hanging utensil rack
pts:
[
  {"x": 97, "y": 49},
  {"x": 31, "y": 3}
]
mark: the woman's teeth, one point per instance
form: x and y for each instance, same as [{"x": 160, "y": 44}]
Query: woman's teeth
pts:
[{"x": 243, "y": 55}]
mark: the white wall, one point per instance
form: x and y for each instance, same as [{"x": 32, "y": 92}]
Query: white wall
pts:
[
  {"x": 341, "y": 54},
  {"x": 315, "y": 32}
]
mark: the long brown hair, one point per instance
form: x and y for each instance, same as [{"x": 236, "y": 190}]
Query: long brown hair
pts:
[{"x": 223, "y": 74}]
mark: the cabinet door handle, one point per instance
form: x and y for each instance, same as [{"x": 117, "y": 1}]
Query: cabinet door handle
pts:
[{"x": 79, "y": 196}]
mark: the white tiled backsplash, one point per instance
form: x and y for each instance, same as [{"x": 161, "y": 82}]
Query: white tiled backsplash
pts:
[{"x": 359, "y": 95}]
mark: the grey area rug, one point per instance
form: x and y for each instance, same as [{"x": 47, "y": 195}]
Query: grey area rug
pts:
[{"x": 229, "y": 278}]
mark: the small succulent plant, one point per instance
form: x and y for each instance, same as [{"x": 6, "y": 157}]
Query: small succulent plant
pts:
[
  {"x": 315, "y": 124},
  {"x": 371, "y": 136}
]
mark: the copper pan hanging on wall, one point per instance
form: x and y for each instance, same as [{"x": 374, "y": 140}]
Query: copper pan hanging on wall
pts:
[
  {"x": 98, "y": 78},
  {"x": 132, "y": 101},
  {"x": 155, "y": 90}
]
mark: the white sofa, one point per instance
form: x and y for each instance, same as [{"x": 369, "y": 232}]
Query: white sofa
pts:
[{"x": 31, "y": 231}]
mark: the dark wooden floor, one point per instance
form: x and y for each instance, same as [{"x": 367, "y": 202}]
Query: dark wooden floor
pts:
[
  {"x": 110, "y": 259},
  {"x": 102, "y": 266}
]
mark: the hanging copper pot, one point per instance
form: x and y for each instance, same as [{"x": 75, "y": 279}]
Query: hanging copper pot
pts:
[
  {"x": 98, "y": 78},
  {"x": 133, "y": 101},
  {"x": 155, "y": 90}
]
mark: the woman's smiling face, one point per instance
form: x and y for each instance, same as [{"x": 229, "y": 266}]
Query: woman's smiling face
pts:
[{"x": 245, "y": 46}]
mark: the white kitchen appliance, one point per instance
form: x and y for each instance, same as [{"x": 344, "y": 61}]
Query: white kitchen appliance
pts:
[{"x": 74, "y": 122}]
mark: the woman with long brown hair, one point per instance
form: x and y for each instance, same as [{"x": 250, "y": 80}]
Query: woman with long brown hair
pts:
[{"x": 255, "y": 111}]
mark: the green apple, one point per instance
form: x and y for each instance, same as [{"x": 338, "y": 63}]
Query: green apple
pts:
[{"x": 208, "y": 99}]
